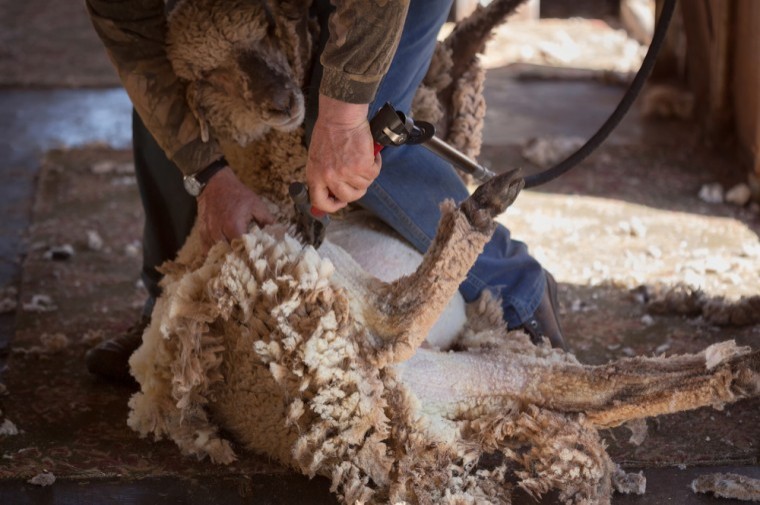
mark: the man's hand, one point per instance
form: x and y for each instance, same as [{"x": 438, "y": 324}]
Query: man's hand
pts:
[
  {"x": 341, "y": 163},
  {"x": 226, "y": 208}
]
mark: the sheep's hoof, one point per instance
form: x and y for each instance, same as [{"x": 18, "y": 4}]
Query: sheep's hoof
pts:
[{"x": 493, "y": 197}]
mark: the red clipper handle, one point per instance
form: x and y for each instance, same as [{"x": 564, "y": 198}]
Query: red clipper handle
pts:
[
  {"x": 378, "y": 148},
  {"x": 317, "y": 212}
]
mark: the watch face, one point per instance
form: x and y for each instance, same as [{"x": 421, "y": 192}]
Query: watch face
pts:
[{"x": 192, "y": 185}]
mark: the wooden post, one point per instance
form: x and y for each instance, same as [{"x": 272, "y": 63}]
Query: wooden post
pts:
[
  {"x": 746, "y": 79},
  {"x": 707, "y": 24},
  {"x": 722, "y": 68}
]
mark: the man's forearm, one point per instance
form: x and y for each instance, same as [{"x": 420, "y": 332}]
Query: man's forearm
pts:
[
  {"x": 364, "y": 36},
  {"x": 134, "y": 34}
]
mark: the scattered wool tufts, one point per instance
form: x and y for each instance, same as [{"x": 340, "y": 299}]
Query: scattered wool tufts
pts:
[
  {"x": 728, "y": 485},
  {"x": 688, "y": 301},
  {"x": 629, "y": 483},
  {"x": 59, "y": 253},
  {"x": 547, "y": 151},
  {"x": 711, "y": 193},
  {"x": 40, "y": 303},
  {"x": 8, "y": 305},
  {"x": 739, "y": 195},
  {"x": 94, "y": 241},
  {"x": 133, "y": 249},
  {"x": 722, "y": 312},
  {"x": 8, "y": 428},
  {"x": 638, "y": 429},
  {"x": 92, "y": 337},
  {"x": 43, "y": 479},
  {"x": 55, "y": 342},
  {"x": 49, "y": 344},
  {"x": 110, "y": 167}
]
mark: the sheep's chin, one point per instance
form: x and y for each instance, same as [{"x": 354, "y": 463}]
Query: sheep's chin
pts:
[
  {"x": 287, "y": 124},
  {"x": 245, "y": 138}
]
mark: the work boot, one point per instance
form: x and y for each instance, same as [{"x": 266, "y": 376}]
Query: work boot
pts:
[
  {"x": 110, "y": 358},
  {"x": 545, "y": 322}
]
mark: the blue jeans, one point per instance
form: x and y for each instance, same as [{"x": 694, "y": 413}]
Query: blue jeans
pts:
[{"x": 413, "y": 181}]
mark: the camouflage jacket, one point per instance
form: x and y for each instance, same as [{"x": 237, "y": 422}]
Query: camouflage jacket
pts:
[{"x": 364, "y": 35}]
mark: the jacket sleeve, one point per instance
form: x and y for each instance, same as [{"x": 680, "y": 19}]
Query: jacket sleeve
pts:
[
  {"x": 134, "y": 34},
  {"x": 364, "y": 35}
]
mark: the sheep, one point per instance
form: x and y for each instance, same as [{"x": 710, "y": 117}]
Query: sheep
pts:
[{"x": 304, "y": 356}]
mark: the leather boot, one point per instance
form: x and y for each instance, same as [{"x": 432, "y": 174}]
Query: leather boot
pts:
[
  {"x": 545, "y": 321},
  {"x": 110, "y": 359}
]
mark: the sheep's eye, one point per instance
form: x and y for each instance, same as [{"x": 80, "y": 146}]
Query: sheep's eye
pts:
[{"x": 271, "y": 31}]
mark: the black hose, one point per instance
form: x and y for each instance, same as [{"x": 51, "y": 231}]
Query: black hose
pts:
[{"x": 619, "y": 112}]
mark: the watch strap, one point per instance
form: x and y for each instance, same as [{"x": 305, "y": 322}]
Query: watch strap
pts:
[{"x": 207, "y": 173}]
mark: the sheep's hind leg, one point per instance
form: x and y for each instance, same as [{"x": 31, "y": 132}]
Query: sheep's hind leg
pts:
[
  {"x": 475, "y": 384},
  {"x": 403, "y": 311}
]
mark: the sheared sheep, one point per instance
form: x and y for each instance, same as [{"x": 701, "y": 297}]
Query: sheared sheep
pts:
[{"x": 304, "y": 356}]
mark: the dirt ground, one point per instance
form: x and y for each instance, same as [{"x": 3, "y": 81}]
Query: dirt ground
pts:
[{"x": 628, "y": 217}]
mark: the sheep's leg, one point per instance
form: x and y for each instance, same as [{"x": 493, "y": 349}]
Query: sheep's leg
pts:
[
  {"x": 403, "y": 311},
  {"x": 465, "y": 42},
  {"x": 469, "y": 37},
  {"x": 469, "y": 384}
]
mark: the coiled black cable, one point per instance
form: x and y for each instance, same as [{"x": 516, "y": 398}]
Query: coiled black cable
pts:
[{"x": 619, "y": 112}]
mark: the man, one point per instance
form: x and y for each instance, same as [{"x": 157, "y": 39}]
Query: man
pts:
[{"x": 377, "y": 51}]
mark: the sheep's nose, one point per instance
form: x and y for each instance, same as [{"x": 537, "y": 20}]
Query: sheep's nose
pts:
[{"x": 281, "y": 102}]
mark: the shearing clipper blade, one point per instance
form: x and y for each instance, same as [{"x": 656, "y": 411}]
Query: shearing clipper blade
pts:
[{"x": 310, "y": 227}]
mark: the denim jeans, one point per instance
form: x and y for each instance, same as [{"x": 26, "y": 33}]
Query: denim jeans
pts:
[
  {"x": 169, "y": 210},
  {"x": 413, "y": 181}
]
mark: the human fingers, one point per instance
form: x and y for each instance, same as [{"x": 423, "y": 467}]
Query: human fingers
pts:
[
  {"x": 250, "y": 209},
  {"x": 323, "y": 199},
  {"x": 344, "y": 192},
  {"x": 260, "y": 213}
]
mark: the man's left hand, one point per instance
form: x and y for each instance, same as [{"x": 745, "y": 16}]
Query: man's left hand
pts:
[{"x": 227, "y": 207}]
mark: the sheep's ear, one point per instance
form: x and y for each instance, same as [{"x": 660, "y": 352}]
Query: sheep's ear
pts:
[{"x": 193, "y": 101}]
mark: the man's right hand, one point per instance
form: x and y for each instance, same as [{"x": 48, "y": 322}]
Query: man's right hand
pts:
[
  {"x": 226, "y": 208},
  {"x": 341, "y": 163}
]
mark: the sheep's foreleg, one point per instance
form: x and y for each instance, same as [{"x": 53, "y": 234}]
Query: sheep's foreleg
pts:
[
  {"x": 473, "y": 384},
  {"x": 403, "y": 311}
]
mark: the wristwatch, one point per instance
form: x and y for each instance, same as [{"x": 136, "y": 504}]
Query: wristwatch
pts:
[{"x": 195, "y": 183}]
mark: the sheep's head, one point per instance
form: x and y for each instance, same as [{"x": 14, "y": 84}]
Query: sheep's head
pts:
[{"x": 245, "y": 63}]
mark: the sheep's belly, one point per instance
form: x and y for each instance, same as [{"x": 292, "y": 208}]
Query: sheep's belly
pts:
[{"x": 383, "y": 253}]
